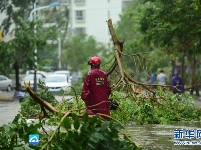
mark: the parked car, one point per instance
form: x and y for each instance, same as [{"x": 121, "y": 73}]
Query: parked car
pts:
[
  {"x": 30, "y": 78},
  {"x": 66, "y": 72},
  {"x": 76, "y": 76},
  {"x": 56, "y": 82},
  {"x": 5, "y": 83},
  {"x": 38, "y": 72}
]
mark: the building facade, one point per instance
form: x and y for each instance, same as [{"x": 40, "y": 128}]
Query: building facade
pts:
[
  {"x": 90, "y": 16},
  {"x": 85, "y": 16}
]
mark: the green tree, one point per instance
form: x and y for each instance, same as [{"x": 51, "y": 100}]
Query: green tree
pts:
[
  {"x": 60, "y": 15},
  {"x": 173, "y": 27},
  {"x": 5, "y": 58},
  {"x": 144, "y": 55},
  {"x": 20, "y": 48},
  {"x": 175, "y": 24},
  {"x": 79, "y": 49}
]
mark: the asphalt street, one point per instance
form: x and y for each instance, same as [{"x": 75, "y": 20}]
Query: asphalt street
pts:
[{"x": 9, "y": 107}]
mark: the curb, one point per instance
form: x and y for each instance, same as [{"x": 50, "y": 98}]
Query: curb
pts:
[{"x": 6, "y": 99}]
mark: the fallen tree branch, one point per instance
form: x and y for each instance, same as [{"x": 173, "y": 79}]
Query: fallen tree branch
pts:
[{"x": 40, "y": 101}]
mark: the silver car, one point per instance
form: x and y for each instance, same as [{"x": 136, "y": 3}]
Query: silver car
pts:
[
  {"x": 56, "y": 82},
  {"x": 5, "y": 83},
  {"x": 30, "y": 78},
  {"x": 66, "y": 72}
]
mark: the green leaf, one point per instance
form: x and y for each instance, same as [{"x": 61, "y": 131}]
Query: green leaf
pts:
[
  {"x": 85, "y": 127},
  {"x": 6, "y": 128},
  {"x": 105, "y": 125},
  {"x": 97, "y": 136},
  {"x": 93, "y": 120},
  {"x": 66, "y": 123},
  {"x": 85, "y": 117},
  {"x": 76, "y": 124},
  {"x": 92, "y": 145},
  {"x": 74, "y": 116}
]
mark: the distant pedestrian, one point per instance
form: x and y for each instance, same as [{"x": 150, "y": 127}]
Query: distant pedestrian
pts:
[
  {"x": 161, "y": 78},
  {"x": 152, "y": 78},
  {"x": 177, "y": 84},
  {"x": 148, "y": 78}
]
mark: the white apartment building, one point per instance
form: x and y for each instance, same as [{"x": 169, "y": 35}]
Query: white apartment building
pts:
[{"x": 90, "y": 16}]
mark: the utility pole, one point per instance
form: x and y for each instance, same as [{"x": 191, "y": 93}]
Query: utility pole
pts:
[{"x": 33, "y": 13}]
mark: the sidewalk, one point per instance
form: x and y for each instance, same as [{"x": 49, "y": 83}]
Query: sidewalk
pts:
[{"x": 4, "y": 95}]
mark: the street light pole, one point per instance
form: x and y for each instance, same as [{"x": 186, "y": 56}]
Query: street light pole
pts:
[
  {"x": 42, "y": 7},
  {"x": 59, "y": 52},
  {"x": 33, "y": 11}
]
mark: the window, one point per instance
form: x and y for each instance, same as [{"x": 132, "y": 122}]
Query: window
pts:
[
  {"x": 2, "y": 78},
  {"x": 80, "y": 15},
  {"x": 80, "y": 30},
  {"x": 126, "y": 4}
]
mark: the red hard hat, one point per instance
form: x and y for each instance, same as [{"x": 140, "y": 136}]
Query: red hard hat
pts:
[{"x": 94, "y": 61}]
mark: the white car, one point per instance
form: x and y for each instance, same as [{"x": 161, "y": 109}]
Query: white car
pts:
[
  {"x": 30, "y": 78},
  {"x": 66, "y": 72},
  {"x": 5, "y": 83},
  {"x": 76, "y": 76},
  {"x": 38, "y": 72},
  {"x": 57, "y": 82}
]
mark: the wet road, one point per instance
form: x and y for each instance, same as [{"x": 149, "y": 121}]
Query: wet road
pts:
[
  {"x": 155, "y": 136},
  {"x": 8, "y": 111},
  {"x": 10, "y": 108}
]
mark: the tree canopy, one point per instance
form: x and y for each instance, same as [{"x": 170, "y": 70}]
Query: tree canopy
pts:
[
  {"x": 79, "y": 49},
  {"x": 173, "y": 27},
  {"x": 23, "y": 39}
]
